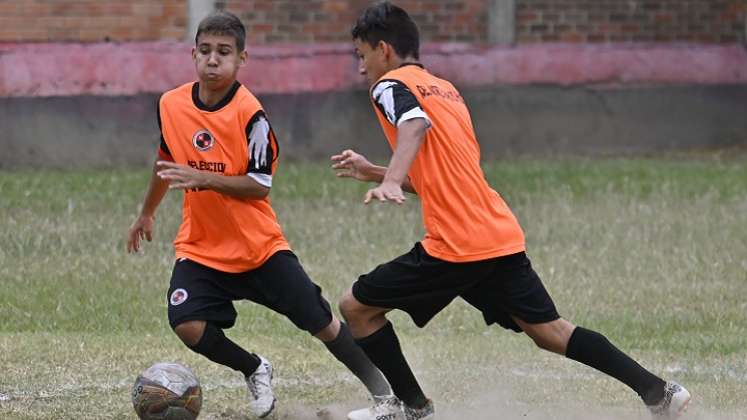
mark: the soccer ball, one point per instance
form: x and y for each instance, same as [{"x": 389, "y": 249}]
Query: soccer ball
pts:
[{"x": 167, "y": 391}]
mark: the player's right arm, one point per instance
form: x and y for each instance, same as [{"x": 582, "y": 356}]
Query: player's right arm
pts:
[
  {"x": 263, "y": 150},
  {"x": 142, "y": 227}
]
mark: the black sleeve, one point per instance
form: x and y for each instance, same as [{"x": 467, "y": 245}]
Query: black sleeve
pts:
[
  {"x": 164, "y": 147},
  {"x": 262, "y": 143},
  {"x": 393, "y": 99}
]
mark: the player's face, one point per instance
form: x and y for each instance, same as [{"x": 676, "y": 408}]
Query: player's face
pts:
[
  {"x": 372, "y": 61},
  {"x": 217, "y": 60}
]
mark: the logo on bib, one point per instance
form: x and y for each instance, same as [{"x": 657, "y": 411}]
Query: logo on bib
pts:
[
  {"x": 203, "y": 140},
  {"x": 178, "y": 297}
]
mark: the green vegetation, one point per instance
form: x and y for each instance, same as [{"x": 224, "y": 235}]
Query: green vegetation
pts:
[{"x": 653, "y": 253}]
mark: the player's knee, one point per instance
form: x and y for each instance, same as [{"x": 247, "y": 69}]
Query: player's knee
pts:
[
  {"x": 553, "y": 336},
  {"x": 346, "y": 308},
  {"x": 190, "y": 332},
  {"x": 350, "y": 308},
  {"x": 329, "y": 332}
]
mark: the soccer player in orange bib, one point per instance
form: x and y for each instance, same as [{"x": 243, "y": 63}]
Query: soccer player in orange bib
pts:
[
  {"x": 218, "y": 146},
  {"x": 473, "y": 246}
]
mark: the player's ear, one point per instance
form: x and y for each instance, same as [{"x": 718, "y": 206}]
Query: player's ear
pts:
[
  {"x": 194, "y": 53},
  {"x": 383, "y": 47},
  {"x": 243, "y": 57}
]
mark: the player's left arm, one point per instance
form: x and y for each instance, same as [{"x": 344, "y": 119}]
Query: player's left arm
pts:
[
  {"x": 410, "y": 135},
  {"x": 395, "y": 101},
  {"x": 349, "y": 164},
  {"x": 186, "y": 178}
]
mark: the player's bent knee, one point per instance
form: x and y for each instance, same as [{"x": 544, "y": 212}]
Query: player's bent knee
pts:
[
  {"x": 329, "y": 332},
  {"x": 349, "y": 307},
  {"x": 190, "y": 332},
  {"x": 551, "y": 336}
]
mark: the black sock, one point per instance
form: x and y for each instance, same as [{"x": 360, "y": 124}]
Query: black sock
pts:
[
  {"x": 384, "y": 350},
  {"x": 345, "y": 350},
  {"x": 594, "y": 350},
  {"x": 217, "y": 347}
]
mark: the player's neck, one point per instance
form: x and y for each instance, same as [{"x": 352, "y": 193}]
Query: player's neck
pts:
[
  {"x": 397, "y": 62},
  {"x": 211, "y": 96}
]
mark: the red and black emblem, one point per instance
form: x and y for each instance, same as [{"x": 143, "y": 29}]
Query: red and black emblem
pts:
[
  {"x": 203, "y": 140},
  {"x": 178, "y": 297}
]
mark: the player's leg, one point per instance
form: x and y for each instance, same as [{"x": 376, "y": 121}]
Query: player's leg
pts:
[
  {"x": 595, "y": 350},
  {"x": 208, "y": 340},
  {"x": 376, "y": 336},
  {"x": 198, "y": 313},
  {"x": 337, "y": 338},
  {"x": 417, "y": 284},
  {"x": 517, "y": 290},
  {"x": 282, "y": 285}
]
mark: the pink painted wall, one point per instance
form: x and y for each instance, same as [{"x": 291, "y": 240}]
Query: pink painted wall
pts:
[{"x": 114, "y": 69}]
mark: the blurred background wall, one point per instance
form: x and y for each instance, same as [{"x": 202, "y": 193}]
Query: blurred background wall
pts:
[{"x": 79, "y": 79}]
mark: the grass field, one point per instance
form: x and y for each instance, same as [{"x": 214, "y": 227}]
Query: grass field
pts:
[{"x": 653, "y": 253}]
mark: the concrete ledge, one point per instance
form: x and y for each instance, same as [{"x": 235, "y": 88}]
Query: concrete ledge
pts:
[
  {"x": 111, "y": 69},
  {"x": 100, "y": 131}
]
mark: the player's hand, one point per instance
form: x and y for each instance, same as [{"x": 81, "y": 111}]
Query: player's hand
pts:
[
  {"x": 141, "y": 229},
  {"x": 387, "y": 191},
  {"x": 349, "y": 164},
  {"x": 181, "y": 176}
]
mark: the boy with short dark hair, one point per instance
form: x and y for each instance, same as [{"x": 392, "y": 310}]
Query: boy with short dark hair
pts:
[
  {"x": 218, "y": 146},
  {"x": 473, "y": 246}
]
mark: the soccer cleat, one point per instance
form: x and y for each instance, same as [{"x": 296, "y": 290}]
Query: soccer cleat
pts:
[
  {"x": 675, "y": 401},
  {"x": 261, "y": 398},
  {"x": 425, "y": 413},
  {"x": 385, "y": 408}
]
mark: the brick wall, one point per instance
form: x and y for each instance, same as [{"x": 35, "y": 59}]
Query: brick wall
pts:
[
  {"x": 91, "y": 20},
  {"x": 267, "y": 21},
  {"x": 270, "y": 21},
  {"x": 708, "y": 21},
  {"x": 331, "y": 20}
]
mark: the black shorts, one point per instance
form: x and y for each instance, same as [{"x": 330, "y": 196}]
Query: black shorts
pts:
[
  {"x": 422, "y": 286},
  {"x": 201, "y": 293}
]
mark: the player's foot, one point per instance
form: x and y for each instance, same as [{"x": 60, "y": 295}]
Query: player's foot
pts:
[
  {"x": 261, "y": 398},
  {"x": 675, "y": 401},
  {"x": 385, "y": 408},
  {"x": 425, "y": 413}
]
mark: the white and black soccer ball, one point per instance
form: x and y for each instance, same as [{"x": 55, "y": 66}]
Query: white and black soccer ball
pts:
[{"x": 167, "y": 391}]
